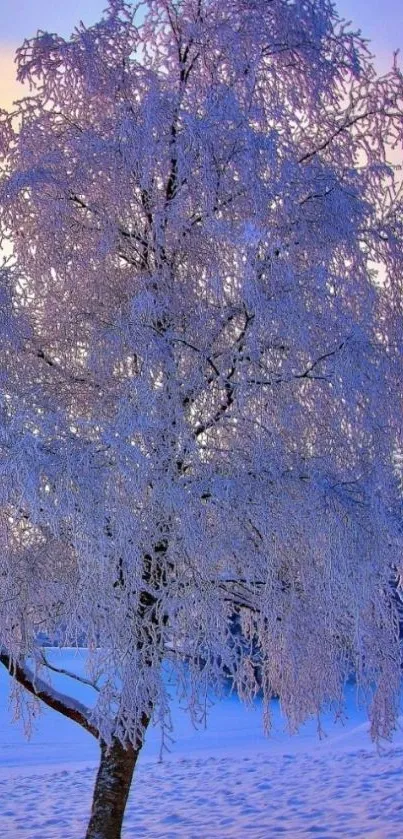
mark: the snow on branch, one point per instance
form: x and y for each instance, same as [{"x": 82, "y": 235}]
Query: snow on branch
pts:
[
  {"x": 66, "y": 705},
  {"x": 200, "y": 359}
]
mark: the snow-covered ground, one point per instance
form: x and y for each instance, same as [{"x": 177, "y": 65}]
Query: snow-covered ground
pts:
[{"x": 226, "y": 781}]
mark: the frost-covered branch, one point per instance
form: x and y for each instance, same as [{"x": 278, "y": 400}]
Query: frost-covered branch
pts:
[
  {"x": 71, "y": 675},
  {"x": 66, "y": 705},
  {"x": 201, "y": 366}
]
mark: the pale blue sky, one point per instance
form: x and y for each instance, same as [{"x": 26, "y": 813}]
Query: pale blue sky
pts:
[
  {"x": 380, "y": 20},
  {"x": 22, "y": 18}
]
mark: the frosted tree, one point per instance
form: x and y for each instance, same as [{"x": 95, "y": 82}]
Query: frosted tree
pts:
[{"x": 201, "y": 367}]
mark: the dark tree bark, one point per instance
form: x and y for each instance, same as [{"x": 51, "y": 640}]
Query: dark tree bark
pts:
[
  {"x": 115, "y": 773},
  {"x": 111, "y": 791},
  {"x": 37, "y": 687}
]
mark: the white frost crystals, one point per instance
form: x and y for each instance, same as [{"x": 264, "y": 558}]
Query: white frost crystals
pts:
[{"x": 200, "y": 381}]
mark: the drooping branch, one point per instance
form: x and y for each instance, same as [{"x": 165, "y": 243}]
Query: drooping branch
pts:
[
  {"x": 307, "y": 373},
  {"x": 240, "y": 594},
  {"x": 345, "y": 126},
  {"x": 66, "y": 705},
  {"x": 63, "y": 672}
]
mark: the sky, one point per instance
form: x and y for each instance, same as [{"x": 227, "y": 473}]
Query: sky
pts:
[{"x": 380, "y": 20}]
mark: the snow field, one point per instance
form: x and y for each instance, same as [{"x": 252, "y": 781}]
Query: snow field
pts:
[
  {"x": 347, "y": 794},
  {"x": 225, "y": 782}
]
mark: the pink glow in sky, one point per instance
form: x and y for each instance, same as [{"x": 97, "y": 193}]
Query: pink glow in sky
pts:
[{"x": 380, "y": 20}]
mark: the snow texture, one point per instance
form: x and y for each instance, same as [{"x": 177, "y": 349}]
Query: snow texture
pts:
[
  {"x": 352, "y": 794},
  {"x": 226, "y": 781}
]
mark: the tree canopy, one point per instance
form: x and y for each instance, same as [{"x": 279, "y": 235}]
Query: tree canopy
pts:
[{"x": 201, "y": 359}]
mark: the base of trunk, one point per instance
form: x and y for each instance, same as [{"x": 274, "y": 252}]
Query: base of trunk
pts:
[{"x": 111, "y": 790}]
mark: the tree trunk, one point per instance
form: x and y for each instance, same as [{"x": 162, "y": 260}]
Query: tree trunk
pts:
[{"x": 111, "y": 790}]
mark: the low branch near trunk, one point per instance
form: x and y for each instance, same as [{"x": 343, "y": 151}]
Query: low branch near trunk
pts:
[{"x": 60, "y": 702}]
